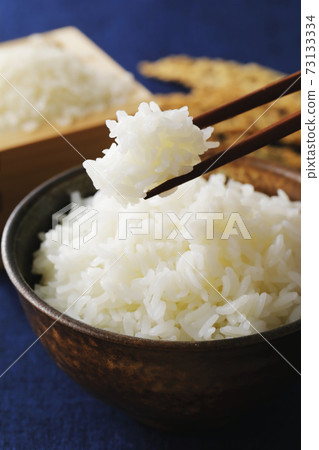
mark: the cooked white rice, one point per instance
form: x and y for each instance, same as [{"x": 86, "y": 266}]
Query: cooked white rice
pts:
[
  {"x": 151, "y": 147},
  {"x": 57, "y": 83},
  {"x": 190, "y": 288}
]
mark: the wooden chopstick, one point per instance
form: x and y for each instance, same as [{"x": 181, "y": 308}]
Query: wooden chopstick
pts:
[
  {"x": 273, "y": 91},
  {"x": 264, "y": 137},
  {"x": 285, "y": 86}
]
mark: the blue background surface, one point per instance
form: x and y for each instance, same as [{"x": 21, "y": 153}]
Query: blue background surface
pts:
[{"x": 40, "y": 407}]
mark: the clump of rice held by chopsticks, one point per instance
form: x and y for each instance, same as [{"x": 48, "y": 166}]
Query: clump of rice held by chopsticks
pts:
[{"x": 150, "y": 147}]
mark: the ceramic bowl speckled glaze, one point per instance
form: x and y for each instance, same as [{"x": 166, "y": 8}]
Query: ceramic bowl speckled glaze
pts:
[{"x": 161, "y": 383}]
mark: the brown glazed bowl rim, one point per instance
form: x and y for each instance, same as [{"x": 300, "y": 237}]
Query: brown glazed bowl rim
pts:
[{"x": 24, "y": 289}]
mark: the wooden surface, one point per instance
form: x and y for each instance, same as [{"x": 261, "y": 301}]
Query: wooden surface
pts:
[{"x": 28, "y": 159}]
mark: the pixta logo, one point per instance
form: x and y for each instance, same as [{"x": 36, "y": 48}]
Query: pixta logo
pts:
[
  {"x": 74, "y": 225},
  {"x": 168, "y": 225}
]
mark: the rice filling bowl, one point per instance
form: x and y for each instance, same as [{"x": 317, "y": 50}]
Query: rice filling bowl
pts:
[{"x": 213, "y": 260}]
